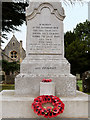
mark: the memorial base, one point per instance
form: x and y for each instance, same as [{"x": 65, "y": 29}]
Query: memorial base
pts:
[
  {"x": 29, "y": 85},
  {"x": 20, "y": 106}
]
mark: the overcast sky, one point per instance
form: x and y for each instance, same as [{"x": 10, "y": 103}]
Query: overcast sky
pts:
[{"x": 74, "y": 15}]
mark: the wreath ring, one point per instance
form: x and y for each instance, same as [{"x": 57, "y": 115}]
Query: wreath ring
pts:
[{"x": 50, "y": 111}]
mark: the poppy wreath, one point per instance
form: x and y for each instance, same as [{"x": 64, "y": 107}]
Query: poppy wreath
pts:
[
  {"x": 50, "y": 111},
  {"x": 46, "y": 80}
]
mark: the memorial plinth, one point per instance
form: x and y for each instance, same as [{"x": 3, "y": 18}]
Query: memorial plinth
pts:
[{"x": 20, "y": 106}]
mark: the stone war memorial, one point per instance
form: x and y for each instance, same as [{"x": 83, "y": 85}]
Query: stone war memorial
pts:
[{"x": 44, "y": 60}]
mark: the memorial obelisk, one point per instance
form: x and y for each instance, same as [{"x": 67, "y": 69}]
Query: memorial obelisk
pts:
[{"x": 45, "y": 51}]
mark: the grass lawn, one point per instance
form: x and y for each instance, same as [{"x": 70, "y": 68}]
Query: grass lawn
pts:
[
  {"x": 79, "y": 82},
  {"x": 7, "y": 87}
]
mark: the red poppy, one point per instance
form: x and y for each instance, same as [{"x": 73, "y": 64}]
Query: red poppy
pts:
[
  {"x": 49, "y": 108},
  {"x": 51, "y": 115},
  {"x": 62, "y": 107},
  {"x": 58, "y": 106},
  {"x": 46, "y": 80},
  {"x": 55, "y": 110},
  {"x": 33, "y": 106},
  {"x": 36, "y": 110},
  {"x": 46, "y": 115},
  {"x": 47, "y": 99},
  {"x": 36, "y": 100}
]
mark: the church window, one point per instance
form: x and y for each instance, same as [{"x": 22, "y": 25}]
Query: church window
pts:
[
  {"x": 13, "y": 43},
  {"x": 13, "y": 54}
]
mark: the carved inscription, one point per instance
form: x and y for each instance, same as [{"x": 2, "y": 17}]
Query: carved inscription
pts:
[
  {"x": 45, "y": 38},
  {"x": 45, "y": 68}
]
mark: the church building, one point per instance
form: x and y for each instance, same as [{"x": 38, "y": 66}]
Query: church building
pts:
[{"x": 13, "y": 51}]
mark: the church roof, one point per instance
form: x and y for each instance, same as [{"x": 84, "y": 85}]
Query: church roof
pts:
[{"x": 13, "y": 39}]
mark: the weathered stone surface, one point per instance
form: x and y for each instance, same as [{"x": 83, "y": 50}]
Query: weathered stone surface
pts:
[
  {"x": 45, "y": 67},
  {"x": 20, "y": 107},
  {"x": 30, "y": 85},
  {"x": 45, "y": 51},
  {"x": 46, "y": 30},
  {"x": 47, "y": 88}
]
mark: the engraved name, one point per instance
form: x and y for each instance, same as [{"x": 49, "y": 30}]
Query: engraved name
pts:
[{"x": 45, "y": 68}]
